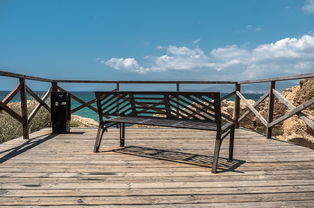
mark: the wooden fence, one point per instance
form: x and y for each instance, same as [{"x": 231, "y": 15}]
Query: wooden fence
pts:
[{"x": 24, "y": 118}]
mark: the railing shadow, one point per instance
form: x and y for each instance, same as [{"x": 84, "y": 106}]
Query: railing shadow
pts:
[
  {"x": 181, "y": 157},
  {"x": 27, "y": 145}
]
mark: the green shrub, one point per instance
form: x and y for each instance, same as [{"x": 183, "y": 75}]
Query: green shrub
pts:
[
  {"x": 302, "y": 82},
  {"x": 74, "y": 123},
  {"x": 11, "y": 128}
]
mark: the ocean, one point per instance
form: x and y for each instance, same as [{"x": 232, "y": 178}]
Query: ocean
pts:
[{"x": 87, "y": 96}]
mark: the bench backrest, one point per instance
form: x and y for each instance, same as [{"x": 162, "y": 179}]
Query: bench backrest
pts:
[{"x": 198, "y": 106}]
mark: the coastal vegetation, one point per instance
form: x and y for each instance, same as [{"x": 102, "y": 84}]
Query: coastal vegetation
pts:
[{"x": 11, "y": 128}]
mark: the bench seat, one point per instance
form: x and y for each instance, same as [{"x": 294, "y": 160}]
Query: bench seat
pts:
[{"x": 200, "y": 125}]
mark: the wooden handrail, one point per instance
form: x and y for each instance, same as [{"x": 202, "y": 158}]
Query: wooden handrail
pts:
[
  {"x": 22, "y": 76},
  {"x": 284, "y": 78}
]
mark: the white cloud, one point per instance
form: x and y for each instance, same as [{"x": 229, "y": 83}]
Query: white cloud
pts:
[
  {"x": 124, "y": 63},
  {"x": 288, "y": 55},
  {"x": 309, "y": 6}
]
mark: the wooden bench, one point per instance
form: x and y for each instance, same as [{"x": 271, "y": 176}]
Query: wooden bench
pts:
[{"x": 192, "y": 110}]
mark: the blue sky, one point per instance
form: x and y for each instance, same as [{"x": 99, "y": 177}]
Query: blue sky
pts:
[{"x": 157, "y": 39}]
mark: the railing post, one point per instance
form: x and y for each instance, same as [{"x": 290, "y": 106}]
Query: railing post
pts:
[
  {"x": 271, "y": 103},
  {"x": 237, "y": 106},
  {"x": 24, "y": 109},
  {"x": 117, "y": 86},
  {"x": 178, "y": 90},
  {"x": 54, "y": 86},
  {"x": 178, "y": 87}
]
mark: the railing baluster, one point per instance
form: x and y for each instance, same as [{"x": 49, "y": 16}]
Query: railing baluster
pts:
[
  {"x": 24, "y": 109},
  {"x": 54, "y": 86},
  {"x": 271, "y": 103},
  {"x": 237, "y": 105}
]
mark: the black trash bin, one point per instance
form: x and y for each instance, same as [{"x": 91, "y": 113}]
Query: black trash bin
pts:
[{"x": 60, "y": 112}]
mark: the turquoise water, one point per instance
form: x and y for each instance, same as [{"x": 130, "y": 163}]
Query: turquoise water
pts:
[{"x": 87, "y": 96}]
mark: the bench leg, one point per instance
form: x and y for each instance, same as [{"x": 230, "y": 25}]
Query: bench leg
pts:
[
  {"x": 99, "y": 136},
  {"x": 122, "y": 134},
  {"x": 216, "y": 152},
  {"x": 231, "y": 143}
]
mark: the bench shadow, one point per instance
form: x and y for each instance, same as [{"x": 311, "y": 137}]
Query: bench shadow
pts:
[
  {"x": 182, "y": 157},
  {"x": 27, "y": 145}
]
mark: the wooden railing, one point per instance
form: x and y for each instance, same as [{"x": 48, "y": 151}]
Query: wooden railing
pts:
[
  {"x": 269, "y": 123},
  {"x": 24, "y": 118}
]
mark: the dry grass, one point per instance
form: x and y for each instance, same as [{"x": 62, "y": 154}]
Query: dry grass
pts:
[{"x": 11, "y": 128}]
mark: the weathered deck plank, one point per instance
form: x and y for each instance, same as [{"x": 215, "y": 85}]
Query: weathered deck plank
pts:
[{"x": 158, "y": 168}]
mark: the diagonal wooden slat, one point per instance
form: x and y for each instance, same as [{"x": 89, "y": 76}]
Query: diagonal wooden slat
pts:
[
  {"x": 83, "y": 106},
  {"x": 104, "y": 97},
  {"x": 205, "y": 110},
  {"x": 188, "y": 106},
  {"x": 179, "y": 114},
  {"x": 183, "y": 109},
  {"x": 11, "y": 112},
  {"x": 125, "y": 109},
  {"x": 115, "y": 104},
  {"x": 33, "y": 94},
  {"x": 202, "y": 104},
  {"x": 11, "y": 95},
  {"x": 225, "y": 134},
  {"x": 108, "y": 99},
  {"x": 227, "y": 96},
  {"x": 259, "y": 101},
  {"x": 210, "y": 102},
  {"x": 227, "y": 117},
  {"x": 294, "y": 110},
  {"x": 258, "y": 115},
  {"x": 122, "y": 106},
  {"x": 113, "y": 100},
  {"x": 79, "y": 100},
  {"x": 33, "y": 113},
  {"x": 282, "y": 99},
  {"x": 112, "y": 103},
  {"x": 122, "y": 111},
  {"x": 188, "y": 115}
]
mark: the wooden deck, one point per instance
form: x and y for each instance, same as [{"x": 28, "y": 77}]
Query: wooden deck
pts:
[{"x": 157, "y": 168}]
